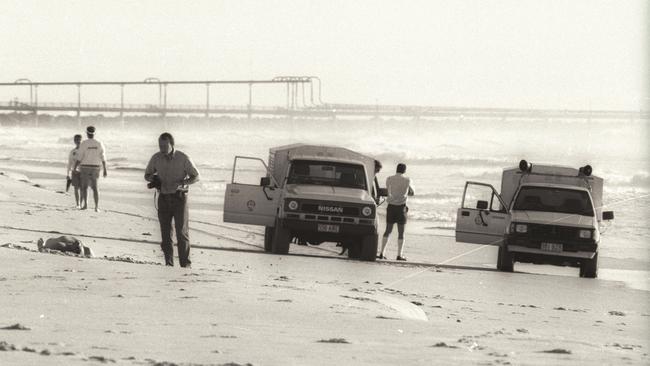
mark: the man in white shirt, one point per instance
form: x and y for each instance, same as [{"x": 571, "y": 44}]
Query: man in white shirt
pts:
[
  {"x": 73, "y": 176},
  {"x": 399, "y": 188},
  {"x": 90, "y": 158}
]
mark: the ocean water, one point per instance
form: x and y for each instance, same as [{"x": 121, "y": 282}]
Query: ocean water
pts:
[{"x": 440, "y": 156}]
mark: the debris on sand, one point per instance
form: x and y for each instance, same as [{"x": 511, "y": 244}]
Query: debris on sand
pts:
[
  {"x": 560, "y": 351},
  {"x": 443, "y": 345},
  {"x": 625, "y": 346},
  {"x": 334, "y": 340},
  {"x": 16, "y": 326},
  {"x": 522, "y": 330},
  {"x": 386, "y": 317},
  {"x": 416, "y": 303}
]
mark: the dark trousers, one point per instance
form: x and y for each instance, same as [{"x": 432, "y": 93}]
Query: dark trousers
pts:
[{"x": 174, "y": 206}]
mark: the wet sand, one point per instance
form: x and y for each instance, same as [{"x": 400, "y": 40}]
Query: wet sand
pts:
[{"x": 238, "y": 305}]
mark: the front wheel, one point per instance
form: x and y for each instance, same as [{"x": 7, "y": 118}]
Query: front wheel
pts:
[
  {"x": 369, "y": 247},
  {"x": 268, "y": 238},
  {"x": 354, "y": 248},
  {"x": 505, "y": 260},
  {"x": 589, "y": 268},
  {"x": 281, "y": 239}
]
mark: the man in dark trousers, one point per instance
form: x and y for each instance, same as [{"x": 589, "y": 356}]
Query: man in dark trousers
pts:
[{"x": 171, "y": 172}]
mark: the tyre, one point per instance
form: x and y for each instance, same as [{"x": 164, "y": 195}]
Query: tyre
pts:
[
  {"x": 505, "y": 260},
  {"x": 354, "y": 248},
  {"x": 268, "y": 238},
  {"x": 589, "y": 268},
  {"x": 369, "y": 247},
  {"x": 281, "y": 239}
]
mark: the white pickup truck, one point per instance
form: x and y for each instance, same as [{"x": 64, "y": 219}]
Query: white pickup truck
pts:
[
  {"x": 544, "y": 215},
  {"x": 310, "y": 194}
]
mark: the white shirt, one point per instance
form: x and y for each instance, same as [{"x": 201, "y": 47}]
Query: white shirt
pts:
[
  {"x": 398, "y": 186},
  {"x": 72, "y": 159},
  {"x": 91, "y": 152}
]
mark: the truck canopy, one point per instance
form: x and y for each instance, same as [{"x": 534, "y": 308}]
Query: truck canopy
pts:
[
  {"x": 281, "y": 156},
  {"x": 567, "y": 177}
]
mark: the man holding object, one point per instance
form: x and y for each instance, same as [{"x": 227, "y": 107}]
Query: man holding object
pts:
[{"x": 171, "y": 172}]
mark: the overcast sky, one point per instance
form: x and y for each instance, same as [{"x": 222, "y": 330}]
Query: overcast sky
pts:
[{"x": 557, "y": 54}]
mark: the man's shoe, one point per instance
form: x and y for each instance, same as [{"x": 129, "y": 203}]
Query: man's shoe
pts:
[
  {"x": 381, "y": 256},
  {"x": 400, "y": 258}
]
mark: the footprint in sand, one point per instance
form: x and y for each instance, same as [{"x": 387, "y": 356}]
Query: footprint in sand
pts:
[
  {"x": 4, "y": 346},
  {"x": 443, "y": 345},
  {"x": 560, "y": 351},
  {"x": 334, "y": 340},
  {"x": 101, "y": 359},
  {"x": 616, "y": 313}
]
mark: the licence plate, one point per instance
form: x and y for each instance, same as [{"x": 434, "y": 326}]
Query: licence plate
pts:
[
  {"x": 552, "y": 247},
  {"x": 324, "y": 228}
]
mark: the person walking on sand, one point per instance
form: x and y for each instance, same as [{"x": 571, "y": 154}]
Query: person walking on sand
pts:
[
  {"x": 72, "y": 175},
  {"x": 399, "y": 187},
  {"x": 171, "y": 172},
  {"x": 90, "y": 158}
]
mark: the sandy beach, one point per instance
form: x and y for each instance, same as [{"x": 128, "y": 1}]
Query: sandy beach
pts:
[{"x": 240, "y": 306}]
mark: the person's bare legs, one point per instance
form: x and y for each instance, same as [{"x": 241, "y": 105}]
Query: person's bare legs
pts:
[
  {"x": 384, "y": 240},
  {"x": 84, "y": 196},
  {"x": 95, "y": 193},
  {"x": 76, "y": 197},
  {"x": 400, "y": 242}
]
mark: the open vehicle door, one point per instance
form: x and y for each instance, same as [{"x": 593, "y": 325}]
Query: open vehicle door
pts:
[
  {"x": 483, "y": 216},
  {"x": 248, "y": 201}
]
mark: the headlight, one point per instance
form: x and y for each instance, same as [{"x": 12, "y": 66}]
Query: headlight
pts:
[
  {"x": 366, "y": 211},
  {"x": 585, "y": 234},
  {"x": 293, "y": 205},
  {"x": 521, "y": 228}
]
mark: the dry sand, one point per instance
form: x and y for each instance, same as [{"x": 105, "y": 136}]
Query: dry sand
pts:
[{"x": 239, "y": 306}]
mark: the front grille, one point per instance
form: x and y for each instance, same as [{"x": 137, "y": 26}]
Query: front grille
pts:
[
  {"x": 552, "y": 232},
  {"x": 346, "y": 211}
]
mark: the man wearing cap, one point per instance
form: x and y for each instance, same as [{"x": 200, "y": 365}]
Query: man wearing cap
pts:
[
  {"x": 90, "y": 158},
  {"x": 171, "y": 172}
]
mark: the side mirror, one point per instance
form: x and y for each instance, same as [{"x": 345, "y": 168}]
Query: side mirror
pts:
[
  {"x": 265, "y": 181},
  {"x": 382, "y": 192},
  {"x": 482, "y": 205},
  {"x": 608, "y": 215}
]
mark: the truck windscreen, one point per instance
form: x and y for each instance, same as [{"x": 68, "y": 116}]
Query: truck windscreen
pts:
[
  {"x": 550, "y": 199},
  {"x": 327, "y": 173}
]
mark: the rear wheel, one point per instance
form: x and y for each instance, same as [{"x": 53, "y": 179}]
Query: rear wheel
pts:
[
  {"x": 268, "y": 238},
  {"x": 369, "y": 248},
  {"x": 505, "y": 260},
  {"x": 589, "y": 268},
  {"x": 281, "y": 239}
]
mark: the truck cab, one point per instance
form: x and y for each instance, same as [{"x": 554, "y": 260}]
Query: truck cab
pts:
[
  {"x": 544, "y": 215},
  {"x": 310, "y": 194}
]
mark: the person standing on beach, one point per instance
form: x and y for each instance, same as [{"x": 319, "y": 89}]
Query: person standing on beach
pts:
[
  {"x": 375, "y": 183},
  {"x": 399, "y": 187},
  {"x": 171, "y": 172},
  {"x": 72, "y": 174},
  {"x": 90, "y": 158}
]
